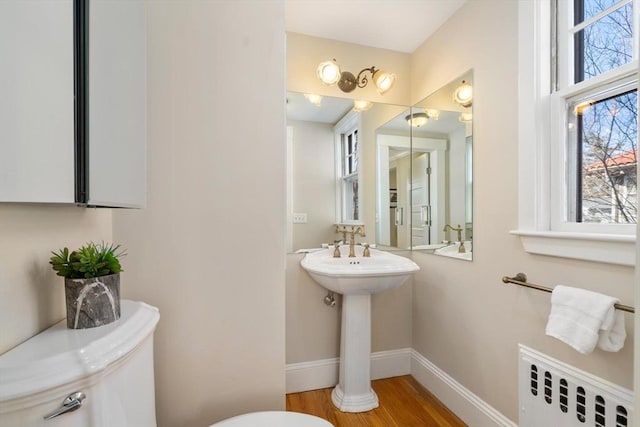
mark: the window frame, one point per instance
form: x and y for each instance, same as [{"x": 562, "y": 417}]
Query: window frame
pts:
[
  {"x": 349, "y": 124},
  {"x": 542, "y": 117}
]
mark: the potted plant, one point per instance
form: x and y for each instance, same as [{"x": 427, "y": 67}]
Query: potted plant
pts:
[{"x": 92, "y": 283}]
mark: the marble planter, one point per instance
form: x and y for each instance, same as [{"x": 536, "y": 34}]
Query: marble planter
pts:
[{"x": 92, "y": 302}]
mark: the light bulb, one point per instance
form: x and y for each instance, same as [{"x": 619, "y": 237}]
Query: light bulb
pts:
[
  {"x": 328, "y": 72},
  {"x": 463, "y": 94},
  {"x": 383, "y": 81},
  {"x": 361, "y": 105},
  {"x": 313, "y": 98}
]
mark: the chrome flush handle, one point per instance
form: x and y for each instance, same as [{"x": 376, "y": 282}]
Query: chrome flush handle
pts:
[{"x": 70, "y": 403}]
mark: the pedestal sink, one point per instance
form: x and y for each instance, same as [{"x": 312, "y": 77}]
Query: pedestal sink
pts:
[{"x": 356, "y": 279}]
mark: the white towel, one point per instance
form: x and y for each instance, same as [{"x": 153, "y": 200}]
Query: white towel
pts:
[{"x": 584, "y": 319}]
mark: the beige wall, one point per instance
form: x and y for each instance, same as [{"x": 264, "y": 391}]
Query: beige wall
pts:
[
  {"x": 31, "y": 295},
  {"x": 465, "y": 320},
  {"x": 209, "y": 248}
]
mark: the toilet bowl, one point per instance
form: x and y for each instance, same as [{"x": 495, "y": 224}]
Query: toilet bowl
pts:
[{"x": 274, "y": 419}]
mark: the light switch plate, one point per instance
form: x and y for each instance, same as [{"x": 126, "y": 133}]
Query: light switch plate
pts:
[{"x": 299, "y": 218}]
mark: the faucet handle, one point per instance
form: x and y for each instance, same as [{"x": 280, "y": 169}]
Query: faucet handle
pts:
[
  {"x": 336, "y": 251},
  {"x": 366, "y": 252}
]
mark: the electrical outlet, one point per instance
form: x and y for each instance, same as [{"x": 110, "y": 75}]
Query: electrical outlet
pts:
[{"x": 299, "y": 218}]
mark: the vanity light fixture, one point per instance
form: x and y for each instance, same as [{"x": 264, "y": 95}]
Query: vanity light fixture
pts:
[
  {"x": 465, "y": 117},
  {"x": 417, "y": 119},
  {"x": 313, "y": 98},
  {"x": 361, "y": 105},
  {"x": 329, "y": 73},
  {"x": 463, "y": 94},
  {"x": 432, "y": 113}
]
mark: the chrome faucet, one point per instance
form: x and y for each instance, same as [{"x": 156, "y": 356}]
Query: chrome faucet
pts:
[{"x": 461, "y": 248}]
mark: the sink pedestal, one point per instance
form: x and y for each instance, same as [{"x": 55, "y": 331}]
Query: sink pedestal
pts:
[{"x": 353, "y": 392}]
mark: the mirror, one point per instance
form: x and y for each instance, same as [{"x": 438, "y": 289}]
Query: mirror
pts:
[
  {"x": 410, "y": 185},
  {"x": 442, "y": 173},
  {"x": 331, "y": 164}
]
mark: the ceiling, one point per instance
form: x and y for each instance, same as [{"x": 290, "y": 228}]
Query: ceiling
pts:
[{"x": 399, "y": 25}]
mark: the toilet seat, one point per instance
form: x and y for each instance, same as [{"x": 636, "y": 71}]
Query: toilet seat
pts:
[{"x": 274, "y": 419}]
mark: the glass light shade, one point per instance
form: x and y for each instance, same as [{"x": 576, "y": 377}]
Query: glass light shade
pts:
[
  {"x": 465, "y": 117},
  {"x": 416, "y": 120},
  {"x": 313, "y": 98},
  {"x": 432, "y": 113},
  {"x": 361, "y": 105},
  {"x": 463, "y": 94},
  {"x": 328, "y": 72},
  {"x": 383, "y": 81}
]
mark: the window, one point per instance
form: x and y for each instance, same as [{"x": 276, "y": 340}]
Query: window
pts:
[
  {"x": 347, "y": 169},
  {"x": 595, "y": 88},
  {"x": 349, "y": 148},
  {"x": 578, "y": 116}
]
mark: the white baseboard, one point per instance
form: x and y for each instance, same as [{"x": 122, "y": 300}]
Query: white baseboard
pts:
[
  {"x": 465, "y": 404},
  {"x": 312, "y": 375},
  {"x": 323, "y": 373}
]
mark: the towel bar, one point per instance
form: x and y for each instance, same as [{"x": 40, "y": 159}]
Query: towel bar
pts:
[{"x": 521, "y": 280}]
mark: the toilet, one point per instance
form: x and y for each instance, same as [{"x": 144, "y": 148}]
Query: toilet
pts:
[
  {"x": 274, "y": 419},
  {"x": 99, "y": 377}
]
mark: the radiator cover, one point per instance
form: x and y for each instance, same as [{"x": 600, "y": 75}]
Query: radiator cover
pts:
[{"x": 554, "y": 394}]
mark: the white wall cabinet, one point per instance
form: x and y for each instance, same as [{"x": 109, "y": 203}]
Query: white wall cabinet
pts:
[{"x": 73, "y": 102}]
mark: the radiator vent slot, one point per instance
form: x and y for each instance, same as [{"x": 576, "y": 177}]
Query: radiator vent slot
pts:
[
  {"x": 553, "y": 393},
  {"x": 534, "y": 380},
  {"x": 564, "y": 397}
]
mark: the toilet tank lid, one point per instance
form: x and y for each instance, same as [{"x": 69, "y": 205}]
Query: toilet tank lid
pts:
[{"x": 58, "y": 355}]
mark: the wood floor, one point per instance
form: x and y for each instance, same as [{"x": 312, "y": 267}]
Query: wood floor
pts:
[{"x": 403, "y": 403}]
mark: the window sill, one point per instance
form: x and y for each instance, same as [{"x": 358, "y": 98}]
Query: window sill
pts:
[{"x": 610, "y": 249}]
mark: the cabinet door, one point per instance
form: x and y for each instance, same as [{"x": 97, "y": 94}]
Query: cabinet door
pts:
[
  {"x": 36, "y": 101},
  {"x": 117, "y": 103}
]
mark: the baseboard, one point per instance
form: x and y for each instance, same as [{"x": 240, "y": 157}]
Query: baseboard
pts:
[
  {"x": 323, "y": 373},
  {"x": 463, "y": 402},
  {"x": 312, "y": 375}
]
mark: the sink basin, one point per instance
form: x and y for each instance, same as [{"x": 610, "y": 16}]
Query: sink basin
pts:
[
  {"x": 359, "y": 275},
  {"x": 452, "y": 251},
  {"x": 356, "y": 278}
]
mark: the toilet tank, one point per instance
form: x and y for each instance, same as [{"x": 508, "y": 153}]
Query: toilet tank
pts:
[{"x": 111, "y": 365}]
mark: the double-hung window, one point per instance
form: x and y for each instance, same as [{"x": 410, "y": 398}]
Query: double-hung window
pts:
[
  {"x": 349, "y": 177},
  {"x": 347, "y": 169},
  {"x": 579, "y": 123}
]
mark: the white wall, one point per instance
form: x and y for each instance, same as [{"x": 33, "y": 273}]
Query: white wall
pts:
[
  {"x": 456, "y": 172},
  {"x": 31, "y": 295},
  {"x": 465, "y": 320},
  {"x": 209, "y": 248},
  {"x": 313, "y": 183}
]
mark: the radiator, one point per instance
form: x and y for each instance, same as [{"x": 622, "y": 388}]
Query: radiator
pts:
[{"x": 554, "y": 394}]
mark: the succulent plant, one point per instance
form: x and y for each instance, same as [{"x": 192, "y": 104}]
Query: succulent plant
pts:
[{"x": 91, "y": 260}]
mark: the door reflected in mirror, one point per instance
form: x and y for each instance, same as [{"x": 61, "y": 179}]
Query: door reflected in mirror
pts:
[{"x": 442, "y": 172}]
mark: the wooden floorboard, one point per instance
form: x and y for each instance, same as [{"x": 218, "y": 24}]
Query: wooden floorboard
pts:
[{"x": 403, "y": 403}]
